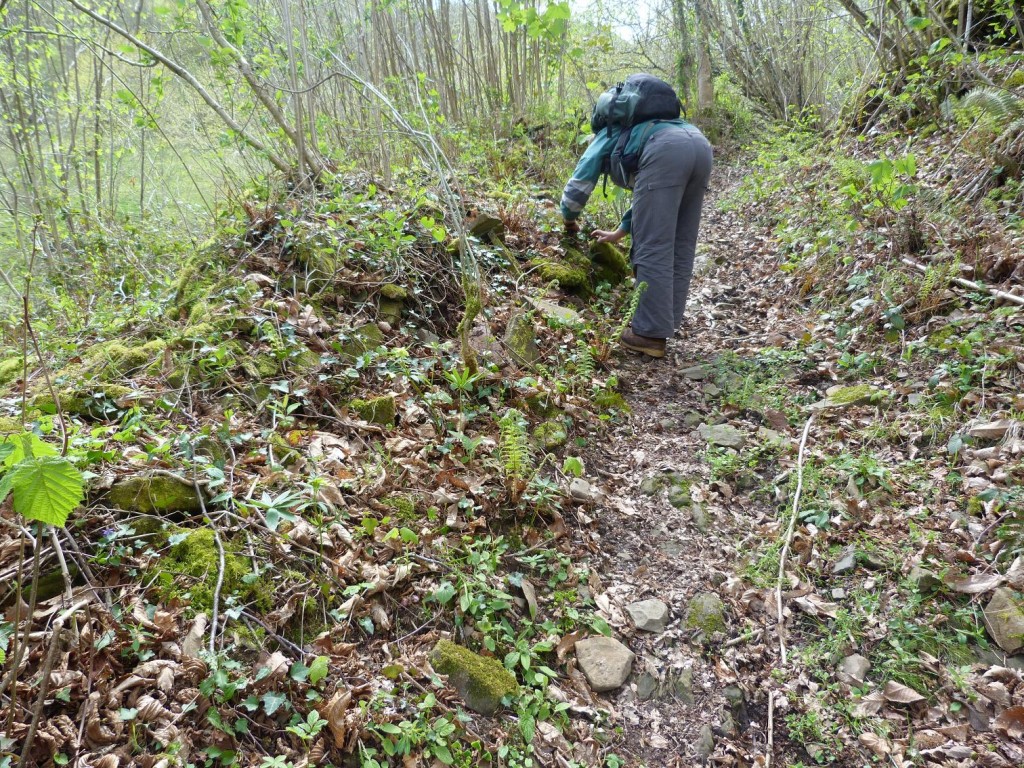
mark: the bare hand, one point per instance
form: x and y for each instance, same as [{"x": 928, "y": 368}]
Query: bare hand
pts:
[{"x": 604, "y": 236}]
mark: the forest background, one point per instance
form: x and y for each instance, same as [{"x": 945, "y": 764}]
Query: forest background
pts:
[{"x": 202, "y": 204}]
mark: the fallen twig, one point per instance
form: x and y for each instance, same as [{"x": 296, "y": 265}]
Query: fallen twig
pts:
[
  {"x": 789, "y": 537},
  {"x": 963, "y": 283}
]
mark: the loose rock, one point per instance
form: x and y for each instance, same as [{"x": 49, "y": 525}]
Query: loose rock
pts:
[
  {"x": 854, "y": 669},
  {"x": 705, "y": 745},
  {"x": 521, "y": 341},
  {"x": 649, "y": 615},
  {"x": 706, "y": 613},
  {"x": 847, "y": 561},
  {"x": 1004, "y": 618},
  {"x": 723, "y": 435},
  {"x": 605, "y": 662},
  {"x": 481, "y": 681},
  {"x": 155, "y": 493}
]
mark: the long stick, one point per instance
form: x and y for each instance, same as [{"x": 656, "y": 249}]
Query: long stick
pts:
[
  {"x": 971, "y": 284},
  {"x": 789, "y": 536}
]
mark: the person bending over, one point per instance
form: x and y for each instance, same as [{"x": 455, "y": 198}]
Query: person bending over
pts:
[{"x": 672, "y": 162}]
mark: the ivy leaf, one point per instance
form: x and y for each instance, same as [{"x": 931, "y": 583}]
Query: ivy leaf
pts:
[
  {"x": 299, "y": 672},
  {"x": 272, "y": 701},
  {"x": 46, "y": 489}
]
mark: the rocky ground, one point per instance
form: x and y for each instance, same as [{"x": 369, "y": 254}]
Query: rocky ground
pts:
[
  {"x": 688, "y": 551},
  {"x": 670, "y": 540}
]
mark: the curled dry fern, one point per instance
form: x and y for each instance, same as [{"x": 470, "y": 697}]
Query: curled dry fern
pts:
[{"x": 514, "y": 445}]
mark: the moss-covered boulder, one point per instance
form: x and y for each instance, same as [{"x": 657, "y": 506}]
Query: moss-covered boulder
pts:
[
  {"x": 706, "y": 614},
  {"x": 196, "y": 557},
  {"x": 97, "y": 401},
  {"x": 520, "y": 340},
  {"x": 10, "y": 369},
  {"x": 394, "y": 292},
  {"x": 154, "y": 493},
  {"x": 609, "y": 263},
  {"x": 481, "y": 681},
  {"x": 362, "y": 340},
  {"x": 847, "y": 397},
  {"x": 378, "y": 410},
  {"x": 572, "y": 271},
  {"x": 550, "y": 434},
  {"x": 578, "y": 271},
  {"x": 116, "y": 359}
]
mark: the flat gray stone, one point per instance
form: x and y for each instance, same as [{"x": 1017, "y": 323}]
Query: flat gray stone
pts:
[
  {"x": 605, "y": 662},
  {"x": 646, "y": 686},
  {"x": 682, "y": 687},
  {"x": 705, "y": 745},
  {"x": 695, "y": 373},
  {"x": 701, "y": 520},
  {"x": 1004, "y": 618},
  {"x": 924, "y": 580},
  {"x": 854, "y": 669},
  {"x": 649, "y": 615},
  {"x": 847, "y": 561},
  {"x": 1015, "y": 573},
  {"x": 650, "y": 485},
  {"x": 722, "y": 435},
  {"x": 550, "y": 308}
]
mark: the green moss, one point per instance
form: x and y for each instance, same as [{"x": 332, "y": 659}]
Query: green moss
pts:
[
  {"x": 404, "y": 507},
  {"x": 197, "y": 557},
  {"x": 679, "y": 491},
  {"x": 521, "y": 341},
  {"x": 116, "y": 359},
  {"x": 94, "y": 401},
  {"x": 482, "y": 681},
  {"x": 199, "y": 313},
  {"x": 362, "y": 340},
  {"x": 378, "y": 410},
  {"x": 261, "y": 366},
  {"x": 10, "y": 426},
  {"x": 550, "y": 434},
  {"x": 607, "y": 400},
  {"x": 610, "y": 264},
  {"x": 10, "y": 369},
  {"x": 542, "y": 405},
  {"x": 1016, "y": 80},
  {"x": 394, "y": 292},
  {"x": 706, "y": 614},
  {"x": 150, "y": 494},
  {"x": 570, "y": 277},
  {"x": 852, "y": 395}
]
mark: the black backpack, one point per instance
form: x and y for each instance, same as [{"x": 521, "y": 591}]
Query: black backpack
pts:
[{"x": 639, "y": 99}]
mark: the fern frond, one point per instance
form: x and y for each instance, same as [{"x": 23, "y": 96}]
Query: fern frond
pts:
[
  {"x": 514, "y": 444},
  {"x": 627, "y": 318},
  {"x": 585, "y": 365},
  {"x": 1002, "y": 106}
]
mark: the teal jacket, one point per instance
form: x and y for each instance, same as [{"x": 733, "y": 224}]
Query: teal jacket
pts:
[{"x": 588, "y": 170}]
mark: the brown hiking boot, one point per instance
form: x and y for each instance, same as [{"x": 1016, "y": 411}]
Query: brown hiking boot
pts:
[{"x": 645, "y": 345}]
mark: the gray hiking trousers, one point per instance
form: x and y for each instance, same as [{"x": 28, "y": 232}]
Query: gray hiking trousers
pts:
[{"x": 667, "y": 199}]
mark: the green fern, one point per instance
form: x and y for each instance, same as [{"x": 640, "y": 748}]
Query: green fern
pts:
[
  {"x": 585, "y": 364},
  {"x": 1003, "y": 106},
  {"x": 514, "y": 445},
  {"x": 627, "y": 318},
  {"x": 931, "y": 277}
]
